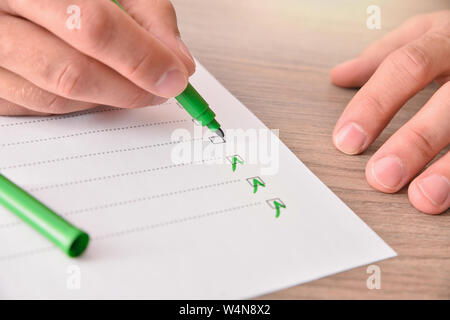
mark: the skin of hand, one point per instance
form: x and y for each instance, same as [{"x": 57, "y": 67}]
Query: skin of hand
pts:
[
  {"x": 389, "y": 72},
  {"x": 113, "y": 58}
]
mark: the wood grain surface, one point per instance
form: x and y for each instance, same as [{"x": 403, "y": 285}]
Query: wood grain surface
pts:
[{"x": 275, "y": 56}]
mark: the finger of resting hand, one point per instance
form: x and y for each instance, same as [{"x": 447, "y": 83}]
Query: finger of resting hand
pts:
[
  {"x": 356, "y": 72},
  {"x": 43, "y": 59},
  {"x": 21, "y": 92},
  {"x": 430, "y": 191},
  {"x": 413, "y": 145},
  {"x": 404, "y": 73},
  {"x": 7, "y": 108},
  {"x": 112, "y": 37},
  {"x": 159, "y": 18}
]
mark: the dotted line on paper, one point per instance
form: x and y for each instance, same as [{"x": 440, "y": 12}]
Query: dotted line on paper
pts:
[
  {"x": 94, "y": 154},
  {"x": 130, "y": 201},
  {"x": 147, "y": 198},
  {"x": 10, "y": 225},
  {"x": 27, "y": 253},
  {"x": 138, "y": 229},
  {"x": 117, "y": 175},
  {"x": 67, "y": 116},
  {"x": 79, "y": 134},
  {"x": 172, "y": 222},
  {"x": 54, "y": 118}
]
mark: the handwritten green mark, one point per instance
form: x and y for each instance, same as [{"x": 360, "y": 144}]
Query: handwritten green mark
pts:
[
  {"x": 277, "y": 207},
  {"x": 257, "y": 183},
  {"x": 235, "y": 162}
]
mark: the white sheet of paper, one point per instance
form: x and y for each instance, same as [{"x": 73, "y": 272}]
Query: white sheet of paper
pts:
[{"x": 161, "y": 229}]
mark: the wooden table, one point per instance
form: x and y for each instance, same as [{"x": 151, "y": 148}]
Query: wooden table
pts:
[{"x": 275, "y": 57}]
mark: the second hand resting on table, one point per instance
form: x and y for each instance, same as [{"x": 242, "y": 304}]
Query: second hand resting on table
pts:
[
  {"x": 139, "y": 59},
  {"x": 391, "y": 71}
]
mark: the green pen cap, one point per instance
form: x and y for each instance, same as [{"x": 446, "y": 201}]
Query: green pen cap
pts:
[{"x": 67, "y": 237}]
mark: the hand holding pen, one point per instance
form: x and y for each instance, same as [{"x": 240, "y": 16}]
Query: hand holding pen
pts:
[
  {"x": 82, "y": 53},
  {"x": 116, "y": 62}
]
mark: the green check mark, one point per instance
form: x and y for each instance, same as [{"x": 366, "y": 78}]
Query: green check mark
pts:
[
  {"x": 235, "y": 161},
  {"x": 277, "y": 207},
  {"x": 257, "y": 183}
]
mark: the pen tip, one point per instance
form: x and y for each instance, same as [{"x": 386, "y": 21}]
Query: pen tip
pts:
[{"x": 220, "y": 133}]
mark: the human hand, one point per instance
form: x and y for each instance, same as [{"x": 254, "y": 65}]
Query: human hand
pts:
[
  {"x": 390, "y": 72},
  {"x": 114, "y": 59}
]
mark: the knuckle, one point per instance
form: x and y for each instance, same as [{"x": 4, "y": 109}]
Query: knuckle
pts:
[
  {"x": 54, "y": 104},
  {"x": 413, "y": 61},
  {"x": 20, "y": 93},
  {"x": 438, "y": 36},
  {"x": 97, "y": 27},
  {"x": 419, "y": 138},
  {"x": 148, "y": 24},
  {"x": 67, "y": 79},
  {"x": 376, "y": 108},
  {"x": 30, "y": 94},
  {"x": 27, "y": 94},
  {"x": 141, "y": 65}
]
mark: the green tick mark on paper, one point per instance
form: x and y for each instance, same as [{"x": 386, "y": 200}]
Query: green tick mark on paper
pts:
[
  {"x": 278, "y": 205},
  {"x": 257, "y": 183},
  {"x": 235, "y": 161}
]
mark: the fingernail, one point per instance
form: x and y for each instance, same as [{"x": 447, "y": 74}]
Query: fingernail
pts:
[
  {"x": 435, "y": 188},
  {"x": 158, "y": 100},
  {"x": 388, "y": 172},
  {"x": 171, "y": 83},
  {"x": 351, "y": 139},
  {"x": 184, "y": 49}
]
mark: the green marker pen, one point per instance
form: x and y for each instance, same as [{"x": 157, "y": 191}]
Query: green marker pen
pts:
[
  {"x": 195, "y": 105},
  {"x": 52, "y": 226},
  {"x": 199, "y": 109}
]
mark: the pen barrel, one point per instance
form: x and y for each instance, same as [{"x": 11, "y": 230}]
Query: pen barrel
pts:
[
  {"x": 64, "y": 235},
  {"x": 197, "y": 107}
]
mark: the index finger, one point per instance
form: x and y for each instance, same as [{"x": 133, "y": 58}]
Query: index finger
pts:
[
  {"x": 356, "y": 72},
  {"x": 110, "y": 36},
  {"x": 405, "y": 72}
]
